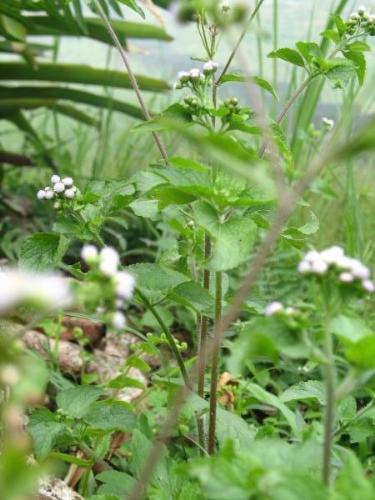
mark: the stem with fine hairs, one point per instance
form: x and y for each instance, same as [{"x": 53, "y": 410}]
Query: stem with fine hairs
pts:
[
  {"x": 132, "y": 76},
  {"x": 215, "y": 366}
]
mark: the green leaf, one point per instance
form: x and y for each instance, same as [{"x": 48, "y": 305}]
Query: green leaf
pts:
[
  {"x": 289, "y": 55},
  {"x": 268, "y": 398},
  {"x": 12, "y": 28},
  {"x": 233, "y": 427},
  {"x": 76, "y": 402},
  {"x": 359, "y": 61},
  {"x": 362, "y": 353},
  {"x": 309, "y": 50},
  {"x": 339, "y": 71},
  {"x": 350, "y": 329},
  {"x": 124, "y": 381},
  {"x": 233, "y": 238},
  {"x": 115, "y": 483},
  {"x": 193, "y": 295},
  {"x": 132, "y": 4},
  {"x": 311, "y": 389},
  {"x": 155, "y": 277},
  {"x": 110, "y": 416},
  {"x": 43, "y": 251},
  {"x": 260, "y": 82},
  {"x": 76, "y": 73},
  {"x": 44, "y": 430}
]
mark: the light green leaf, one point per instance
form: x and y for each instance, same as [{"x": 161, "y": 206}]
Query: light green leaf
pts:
[
  {"x": 289, "y": 55},
  {"x": 110, "y": 416},
  {"x": 76, "y": 402},
  {"x": 42, "y": 251}
]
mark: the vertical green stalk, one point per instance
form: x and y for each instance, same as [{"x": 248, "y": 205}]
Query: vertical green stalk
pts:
[
  {"x": 330, "y": 404},
  {"x": 275, "y": 43},
  {"x": 215, "y": 367},
  {"x": 202, "y": 348}
]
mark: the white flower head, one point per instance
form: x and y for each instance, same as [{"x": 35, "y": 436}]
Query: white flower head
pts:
[
  {"x": 304, "y": 267},
  {"x": 59, "y": 187},
  {"x": 55, "y": 178},
  {"x": 125, "y": 284},
  {"x": 108, "y": 268},
  {"x": 312, "y": 256},
  {"x": 346, "y": 277},
  {"x": 109, "y": 254},
  {"x": 118, "y": 320},
  {"x": 273, "y": 308},
  {"x": 18, "y": 286},
  {"x": 332, "y": 254},
  {"x": 328, "y": 123},
  {"x": 67, "y": 181},
  {"x": 183, "y": 76},
  {"x": 319, "y": 267},
  {"x": 49, "y": 195},
  {"x": 225, "y": 7},
  {"x": 359, "y": 270},
  {"x": 195, "y": 73},
  {"x": 41, "y": 194},
  {"x": 69, "y": 193},
  {"x": 90, "y": 254},
  {"x": 210, "y": 67},
  {"x": 368, "y": 285}
]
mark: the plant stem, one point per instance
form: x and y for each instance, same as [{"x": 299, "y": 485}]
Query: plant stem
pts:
[
  {"x": 133, "y": 78},
  {"x": 239, "y": 41},
  {"x": 329, "y": 410},
  {"x": 215, "y": 367},
  {"x": 170, "y": 338},
  {"x": 203, "y": 343}
]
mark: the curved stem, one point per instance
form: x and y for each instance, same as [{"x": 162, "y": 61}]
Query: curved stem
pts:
[
  {"x": 133, "y": 78},
  {"x": 295, "y": 96},
  {"x": 215, "y": 367},
  {"x": 170, "y": 338}
]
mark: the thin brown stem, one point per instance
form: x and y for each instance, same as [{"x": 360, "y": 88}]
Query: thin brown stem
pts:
[
  {"x": 239, "y": 41},
  {"x": 132, "y": 76},
  {"x": 215, "y": 367}
]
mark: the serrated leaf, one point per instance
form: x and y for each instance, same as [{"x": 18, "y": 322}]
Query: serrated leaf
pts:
[
  {"x": 77, "y": 401},
  {"x": 155, "y": 277},
  {"x": 43, "y": 251},
  {"x": 110, "y": 415},
  {"x": 311, "y": 389}
]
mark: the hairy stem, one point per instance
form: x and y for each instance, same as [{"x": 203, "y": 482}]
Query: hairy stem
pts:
[
  {"x": 215, "y": 367},
  {"x": 170, "y": 338},
  {"x": 329, "y": 409},
  {"x": 133, "y": 78},
  {"x": 239, "y": 41},
  {"x": 203, "y": 343}
]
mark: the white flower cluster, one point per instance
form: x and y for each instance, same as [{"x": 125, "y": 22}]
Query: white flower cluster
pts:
[
  {"x": 107, "y": 262},
  {"x": 60, "y": 187},
  {"x": 19, "y": 286},
  {"x": 195, "y": 75},
  {"x": 327, "y": 122},
  {"x": 277, "y": 307},
  {"x": 349, "y": 270}
]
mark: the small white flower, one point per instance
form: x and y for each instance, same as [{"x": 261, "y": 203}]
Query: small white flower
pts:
[
  {"x": 70, "y": 193},
  {"x": 49, "y": 195},
  {"x": 195, "y": 73},
  {"x": 89, "y": 254},
  {"x": 345, "y": 263},
  {"x": 119, "y": 303},
  {"x": 118, "y": 320},
  {"x": 109, "y": 254},
  {"x": 304, "y": 267},
  {"x": 125, "y": 284},
  {"x": 273, "y": 308},
  {"x": 319, "y": 267},
  {"x": 332, "y": 255},
  {"x": 183, "y": 76},
  {"x": 55, "y": 178},
  {"x": 359, "y": 270},
  {"x": 108, "y": 268},
  {"x": 59, "y": 187},
  {"x": 369, "y": 286},
  {"x": 354, "y": 16},
  {"x": 290, "y": 311},
  {"x": 210, "y": 67},
  {"x": 41, "y": 194},
  {"x": 67, "y": 181},
  {"x": 312, "y": 256},
  {"x": 346, "y": 277},
  {"x": 328, "y": 123}
]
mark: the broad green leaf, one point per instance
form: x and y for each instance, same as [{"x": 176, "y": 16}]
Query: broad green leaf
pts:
[
  {"x": 233, "y": 238},
  {"x": 110, "y": 416},
  {"x": 349, "y": 328},
  {"x": 233, "y": 427},
  {"x": 289, "y": 55},
  {"x": 43, "y": 251},
  {"x": 339, "y": 71},
  {"x": 44, "y": 429},
  {"x": 362, "y": 353},
  {"x": 193, "y": 295},
  {"x": 77, "y": 401},
  {"x": 311, "y": 389},
  {"x": 260, "y": 82},
  {"x": 114, "y": 483},
  {"x": 154, "y": 277},
  {"x": 132, "y": 4}
]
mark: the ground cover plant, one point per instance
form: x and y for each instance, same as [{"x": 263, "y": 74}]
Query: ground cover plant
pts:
[{"x": 190, "y": 329}]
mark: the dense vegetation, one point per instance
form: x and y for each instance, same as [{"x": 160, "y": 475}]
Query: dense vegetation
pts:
[{"x": 186, "y": 285}]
